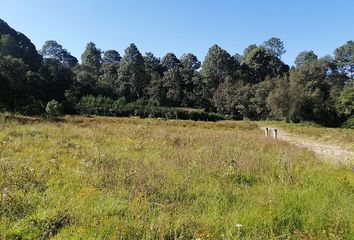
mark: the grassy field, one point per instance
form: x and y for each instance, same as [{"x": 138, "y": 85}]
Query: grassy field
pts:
[
  {"x": 338, "y": 136},
  {"x": 120, "y": 178}
]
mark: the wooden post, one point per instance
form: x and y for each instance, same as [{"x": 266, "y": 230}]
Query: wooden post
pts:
[
  {"x": 266, "y": 132},
  {"x": 275, "y": 133}
]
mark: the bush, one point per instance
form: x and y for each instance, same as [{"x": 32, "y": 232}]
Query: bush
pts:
[
  {"x": 349, "y": 123},
  {"x": 91, "y": 105},
  {"x": 53, "y": 109}
]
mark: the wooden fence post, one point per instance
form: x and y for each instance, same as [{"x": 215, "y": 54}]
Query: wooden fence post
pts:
[
  {"x": 275, "y": 133},
  {"x": 267, "y": 132}
]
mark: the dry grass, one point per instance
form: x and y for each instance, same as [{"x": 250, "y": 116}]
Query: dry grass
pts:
[{"x": 127, "y": 178}]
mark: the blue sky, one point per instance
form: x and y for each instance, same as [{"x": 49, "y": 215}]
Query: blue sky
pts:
[{"x": 162, "y": 26}]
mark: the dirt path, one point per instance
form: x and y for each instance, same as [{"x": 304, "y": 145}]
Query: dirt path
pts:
[{"x": 328, "y": 152}]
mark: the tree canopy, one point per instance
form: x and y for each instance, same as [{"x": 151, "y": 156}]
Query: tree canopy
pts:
[
  {"x": 52, "y": 49},
  {"x": 305, "y": 57},
  {"x": 91, "y": 57},
  {"x": 255, "y": 85},
  {"x": 275, "y": 46}
]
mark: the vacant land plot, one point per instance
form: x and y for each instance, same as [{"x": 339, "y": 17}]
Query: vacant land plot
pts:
[{"x": 116, "y": 178}]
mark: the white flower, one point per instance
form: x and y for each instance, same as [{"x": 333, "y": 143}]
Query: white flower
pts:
[
  {"x": 86, "y": 163},
  {"x": 5, "y": 192}
]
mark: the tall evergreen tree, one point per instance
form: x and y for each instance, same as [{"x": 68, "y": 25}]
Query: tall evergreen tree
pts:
[
  {"x": 217, "y": 66},
  {"x": 189, "y": 66},
  {"x": 91, "y": 57},
  {"x": 170, "y": 61},
  {"x": 132, "y": 77},
  {"x": 111, "y": 56}
]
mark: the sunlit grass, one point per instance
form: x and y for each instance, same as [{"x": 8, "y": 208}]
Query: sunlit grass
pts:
[
  {"x": 338, "y": 136},
  {"x": 120, "y": 178}
]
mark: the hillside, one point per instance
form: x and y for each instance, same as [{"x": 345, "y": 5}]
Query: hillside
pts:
[{"x": 18, "y": 45}]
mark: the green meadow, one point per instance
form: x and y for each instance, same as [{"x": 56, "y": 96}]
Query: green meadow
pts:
[{"x": 130, "y": 178}]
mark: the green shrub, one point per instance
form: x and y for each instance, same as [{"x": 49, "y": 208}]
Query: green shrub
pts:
[
  {"x": 53, "y": 109},
  {"x": 91, "y": 105},
  {"x": 34, "y": 107},
  {"x": 349, "y": 123}
]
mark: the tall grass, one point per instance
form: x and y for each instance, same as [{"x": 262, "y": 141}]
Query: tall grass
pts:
[{"x": 126, "y": 178}]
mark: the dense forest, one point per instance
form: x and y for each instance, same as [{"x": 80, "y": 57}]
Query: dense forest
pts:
[{"x": 255, "y": 85}]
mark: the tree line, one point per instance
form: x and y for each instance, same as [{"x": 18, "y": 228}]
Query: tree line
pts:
[{"x": 256, "y": 84}]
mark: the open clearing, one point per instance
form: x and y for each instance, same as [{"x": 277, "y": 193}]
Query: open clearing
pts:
[{"x": 128, "y": 178}]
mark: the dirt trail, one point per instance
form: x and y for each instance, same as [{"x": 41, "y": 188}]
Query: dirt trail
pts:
[{"x": 328, "y": 152}]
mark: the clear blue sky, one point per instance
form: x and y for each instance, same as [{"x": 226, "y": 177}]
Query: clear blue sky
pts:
[{"x": 162, "y": 26}]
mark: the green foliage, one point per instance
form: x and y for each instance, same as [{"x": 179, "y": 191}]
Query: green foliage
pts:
[
  {"x": 90, "y": 105},
  {"x": 241, "y": 87},
  {"x": 235, "y": 101},
  {"x": 52, "y": 49},
  {"x": 9, "y": 46},
  {"x": 264, "y": 64},
  {"x": 249, "y": 49},
  {"x": 305, "y": 57},
  {"x": 111, "y": 56},
  {"x": 190, "y": 62},
  {"x": 91, "y": 57},
  {"x": 13, "y": 83},
  {"x": 319, "y": 80},
  {"x": 285, "y": 100},
  {"x": 170, "y": 61},
  {"x": 275, "y": 46},
  {"x": 216, "y": 66},
  {"x": 344, "y": 56},
  {"x": 17, "y": 45},
  {"x": 54, "y": 78},
  {"x": 174, "y": 85},
  {"x": 86, "y": 82},
  {"x": 132, "y": 77},
  {"x": 349, "y": 123},
  {"x": 53, "y": 109},
  {"x": 345, "y": 102}
]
